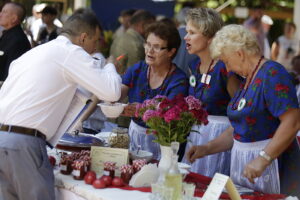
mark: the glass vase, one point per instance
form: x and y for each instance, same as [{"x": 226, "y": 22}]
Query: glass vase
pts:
[{"x": 165, "y": 162}]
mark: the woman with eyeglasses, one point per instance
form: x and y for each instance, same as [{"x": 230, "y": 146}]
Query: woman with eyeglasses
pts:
[
  {"x": 157, "y": 75},
  {"x": 264, "y": 112},
  {"x": 211, "y": 84}
]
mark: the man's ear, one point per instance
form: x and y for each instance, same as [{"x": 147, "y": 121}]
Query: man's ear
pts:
[
  {"x": 82, "y": 38},
  {"x": 15, "y": 20}
]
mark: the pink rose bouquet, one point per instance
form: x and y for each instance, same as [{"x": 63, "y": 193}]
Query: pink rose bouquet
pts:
[{"x": 171, "y": 119}]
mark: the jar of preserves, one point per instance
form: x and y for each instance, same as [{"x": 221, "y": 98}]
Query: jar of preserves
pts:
[
  {"x": 109, "y": 169},
  {"x": 126, "y": 173}
]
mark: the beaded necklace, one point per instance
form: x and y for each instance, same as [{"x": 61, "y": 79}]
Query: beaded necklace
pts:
[
  {"x": 205, "y": 79},
  {"x": 163, "y": 83},
  {"x": 242, "y": 102}
]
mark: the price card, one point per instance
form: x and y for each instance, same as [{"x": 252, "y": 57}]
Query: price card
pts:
[
  {"x": 100, "y": 155},
  {"x": 216, "y": 186}
]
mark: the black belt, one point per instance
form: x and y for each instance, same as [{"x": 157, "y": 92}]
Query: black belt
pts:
[{"x": 22, "y": 130}]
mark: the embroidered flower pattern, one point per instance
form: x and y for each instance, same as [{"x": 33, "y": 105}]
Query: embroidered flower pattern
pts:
[
  {"x": 282, "y": 90},
  {"x": 271, "y": 95}
]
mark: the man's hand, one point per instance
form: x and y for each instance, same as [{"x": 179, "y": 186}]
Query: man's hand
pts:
[
  {"x": 255, "y": 168},
  {"x": 196, "y": 152}
]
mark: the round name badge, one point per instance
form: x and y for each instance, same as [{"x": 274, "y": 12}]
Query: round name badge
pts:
[
  {"x": 242, "y": 104},
  {"x": 192, "y": 81}
]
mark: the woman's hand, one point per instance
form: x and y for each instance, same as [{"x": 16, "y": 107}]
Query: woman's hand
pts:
[
  {"x": 255, "y": 168},
  {"x": 129, "y": 110},
  {"x": 196, "y": 152}
]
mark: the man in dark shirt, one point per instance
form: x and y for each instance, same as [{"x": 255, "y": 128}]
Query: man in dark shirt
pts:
[
  {"x": 13, "y": 42},
  {"x": 50, "y": 31}
]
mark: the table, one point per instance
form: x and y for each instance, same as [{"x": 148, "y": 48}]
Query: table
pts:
[{"x": 70, "y": 189}]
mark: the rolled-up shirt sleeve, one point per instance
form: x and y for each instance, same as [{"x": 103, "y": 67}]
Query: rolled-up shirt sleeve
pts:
[{"x": 87, "y": 72}]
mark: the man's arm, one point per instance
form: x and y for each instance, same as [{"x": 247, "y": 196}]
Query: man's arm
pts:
[{"x": 104, "y": 82}]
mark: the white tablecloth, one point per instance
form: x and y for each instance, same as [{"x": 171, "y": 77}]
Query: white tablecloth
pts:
[{"x": 69, "y": 189}]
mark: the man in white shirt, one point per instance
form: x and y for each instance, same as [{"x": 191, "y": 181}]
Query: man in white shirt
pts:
[{"x": 35, "y": 97}]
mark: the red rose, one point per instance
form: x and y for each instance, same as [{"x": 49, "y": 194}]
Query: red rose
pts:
[
  {"x": 237, "y": 136},
  {"x": 274, "y": 72},
  {"x": 224, "y": 71},
  {"x": 257, "y": 81},
  {"x": 281, "y": 88},
  {"x": 250, "y": 121},
  {"x": 130, "y": 85}
]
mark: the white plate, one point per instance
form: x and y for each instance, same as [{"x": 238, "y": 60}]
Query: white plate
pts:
[{"x": 184, "y": 166}]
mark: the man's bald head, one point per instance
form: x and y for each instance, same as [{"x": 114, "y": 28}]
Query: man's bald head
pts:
[{"x": 12, "y": 14}]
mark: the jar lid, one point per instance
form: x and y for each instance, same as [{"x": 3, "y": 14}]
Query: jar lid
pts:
[
  {"x": 80, "y": 140},
  {"x": 120, "y": 130}
]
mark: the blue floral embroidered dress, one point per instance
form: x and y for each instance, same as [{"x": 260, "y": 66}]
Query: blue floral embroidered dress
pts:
[
  {"x": 270, "y": 94},
  {"x": 215, "y": 98},
  {"x": 139, "y": 90}
]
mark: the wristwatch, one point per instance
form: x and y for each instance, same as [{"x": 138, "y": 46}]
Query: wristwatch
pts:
[{"x": 265, "y": 155}]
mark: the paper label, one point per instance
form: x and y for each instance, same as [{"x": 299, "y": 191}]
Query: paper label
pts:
[
  {"x": 205, "y": 78},
  {"x": 100, "y": 155},
  {"x": 63, "y": 167},
  {"x": 106, "y": 173},
  {"x": 76, "y": 172},
  {"x": 216, "y": 186}
]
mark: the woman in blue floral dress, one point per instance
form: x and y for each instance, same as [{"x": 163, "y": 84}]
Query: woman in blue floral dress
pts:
[
  {"x": 264, "y": 112},
  {"x": 157, "y": 75},
  {"x": 210, "y": 83}
]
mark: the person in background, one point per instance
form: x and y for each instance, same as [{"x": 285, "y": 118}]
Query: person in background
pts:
[
  {"x": 130, "y": 44},
  {"x": 296, "y": 73},
  {"x": 13, "y": 42},
  {"x": 264, "y": 112},
  {"x": 286, "y": 46},
  {"x": 211, "y": 84},
  {"x": 254, "y": 24},
  {"x": 35, "y": 98},
  {"x": 50, "y": 31},
  {"x": 267, "y": 22},
  {"x": 157, "y": 75},
  {"x": 38, "y": 23},
  {"x": 124, "y": 19},
  {"x": 183, "y": 58}
]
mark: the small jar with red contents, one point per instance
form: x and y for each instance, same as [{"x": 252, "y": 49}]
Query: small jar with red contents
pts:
[
  {"x": 138, "y": 164},
  {"x": 65, "y": 164},
  {"x": 109, "y": 169},
  {"x": 126, "y": 173},
  {"x": 79, "y": 169}
]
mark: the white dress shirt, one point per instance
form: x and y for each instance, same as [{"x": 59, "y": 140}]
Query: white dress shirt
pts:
[{"x": 42, "y": 82}]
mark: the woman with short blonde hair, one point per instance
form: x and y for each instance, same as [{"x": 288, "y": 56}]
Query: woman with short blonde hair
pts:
[{"x": 211, "y": 84}]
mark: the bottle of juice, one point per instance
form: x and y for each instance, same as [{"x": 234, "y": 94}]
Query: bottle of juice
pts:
[{"x": 173, "y": 178}]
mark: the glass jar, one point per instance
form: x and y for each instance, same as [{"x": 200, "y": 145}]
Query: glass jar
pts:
[
  {"x": 120, "y": 138},
  {"x": 65, "y": 164},
  {"x": 126, "y": 173},
  {"x": 79, "y": 169},
  {"x": 109, "y": 169},
  {"x": 138, "y": 164}
]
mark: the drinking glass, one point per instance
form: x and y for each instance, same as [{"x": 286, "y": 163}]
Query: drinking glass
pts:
[{"x": 189, "y": 190}]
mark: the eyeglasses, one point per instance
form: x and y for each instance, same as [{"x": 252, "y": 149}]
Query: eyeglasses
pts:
[{"x": 156, "y": 49}]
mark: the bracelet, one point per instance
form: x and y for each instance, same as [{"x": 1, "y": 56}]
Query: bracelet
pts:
[{"x": 265, "y": 155}]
